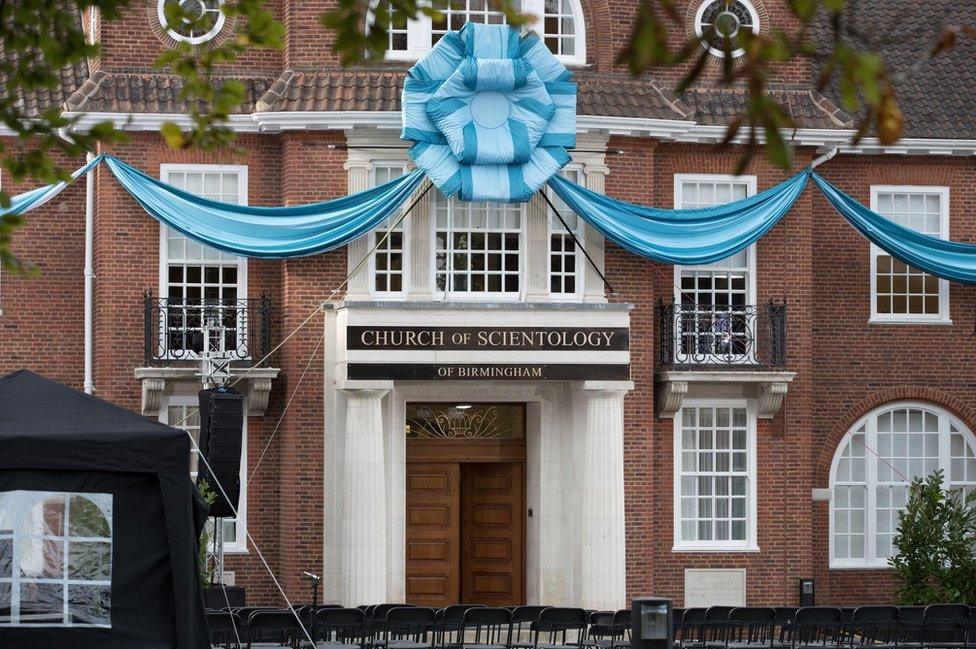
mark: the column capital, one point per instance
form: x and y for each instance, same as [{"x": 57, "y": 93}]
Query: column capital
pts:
[
  {"x": 596, "y": 169},
  {"x": 605, "y": 389},
  {"x": 365, "y": 390},
  {"x": 359, "y": 165}
]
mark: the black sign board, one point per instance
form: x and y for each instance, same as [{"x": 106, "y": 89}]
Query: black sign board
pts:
[
  {"x": 488, "y": 338},
  {"x": 488, "y": 372}
]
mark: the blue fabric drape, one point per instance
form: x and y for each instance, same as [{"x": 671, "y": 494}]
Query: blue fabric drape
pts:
[
  {"x": 274, "y": 232},
  {"x": 945, "y": 259},
  {"x": 36, "y": 197},
  {"x": 686, "y": 237}
]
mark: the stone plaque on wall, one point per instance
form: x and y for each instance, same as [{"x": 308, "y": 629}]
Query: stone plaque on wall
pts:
[{"x": 715, "y": 587}]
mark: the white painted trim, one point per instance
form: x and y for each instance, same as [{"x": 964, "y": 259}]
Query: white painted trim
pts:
[
  {"x": 557, "y": 228},
  {"x": 752, "y": 515},
  {"x": 870, "y": 506},
  {"x": 943, "y": 317},
  {"x": 684, "y": 131},
  {"x": 240, "y": 545}
]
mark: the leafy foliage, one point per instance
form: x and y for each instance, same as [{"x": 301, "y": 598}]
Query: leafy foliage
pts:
[{"x": 936, "y": 541}]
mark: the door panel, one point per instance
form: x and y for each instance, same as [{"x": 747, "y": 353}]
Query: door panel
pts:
[
  {"x": 432, "y": 552},
  {"x": 492, "y": 534}
]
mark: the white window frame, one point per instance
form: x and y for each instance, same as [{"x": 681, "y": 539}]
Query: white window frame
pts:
[
  {"x": 476, "y": 296},
  {"x": 194, "y": 40},
  {"x": 871, "y": 561},
  {"x": 887, "y": 318},
  {"x": 751, "y": 189},
  {"x": 239, "y": 546},
  {"x": 751, "y": 543},
  {"x": 736, "y": 53},
  {"x": 419, "y": 33},
  {"x": 556, "y": 227},
  {"x": 165, "y": 170},
  {"x": 373, "y": 238}
]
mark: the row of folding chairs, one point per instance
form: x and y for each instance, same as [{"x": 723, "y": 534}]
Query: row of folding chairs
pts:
[
  {"x": 938, "y": 626},
  {"x": 400, "y": 626}
]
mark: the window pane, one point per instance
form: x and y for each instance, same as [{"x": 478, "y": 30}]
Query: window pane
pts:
[
  {"x": 901, "y": 290},
  {"x": 714, "y": 483}
]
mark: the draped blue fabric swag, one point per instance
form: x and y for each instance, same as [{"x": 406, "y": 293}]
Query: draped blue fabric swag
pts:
[
  {"x": 945, "y": 259},
  {"x": 275, "y": 232},
  {"x": 685, "y": 237}
]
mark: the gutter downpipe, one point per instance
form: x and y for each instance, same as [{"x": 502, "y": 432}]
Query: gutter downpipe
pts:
[
  {"x": 819, "y": 160},
  {"x": 89, "y": 272}
]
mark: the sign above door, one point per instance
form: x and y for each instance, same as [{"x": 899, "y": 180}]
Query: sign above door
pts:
[{"x": 439, "y": 342}]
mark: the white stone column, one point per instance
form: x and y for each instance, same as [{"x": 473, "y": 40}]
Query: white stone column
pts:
[
  {"x": 358, "y": 180},
  {"x": 594, "y": 291},
  {"x": 601, "y": 521},
  {"x": 362, "y": 501},
  {"x": 536, "y": 258}
]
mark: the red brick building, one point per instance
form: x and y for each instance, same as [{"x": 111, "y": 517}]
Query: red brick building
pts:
[{"x": 738, "y": 456}]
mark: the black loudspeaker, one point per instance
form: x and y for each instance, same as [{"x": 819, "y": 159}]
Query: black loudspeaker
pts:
[{"x": 221, "y": 433}]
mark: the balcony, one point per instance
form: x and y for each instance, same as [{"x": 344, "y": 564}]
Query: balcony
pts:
[
  {"x": 716, "y": 337},
  {"x": 176, "y": 331},
  {"x": 722, "y": 351},
  {"x": 239, "y": 330}
]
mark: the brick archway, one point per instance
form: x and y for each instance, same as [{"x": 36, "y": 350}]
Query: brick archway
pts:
[{"x": 934, "y": 396}]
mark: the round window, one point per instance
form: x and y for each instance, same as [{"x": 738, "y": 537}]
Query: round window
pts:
[
  {"x": 719, "y": 21},
  {"x": 200, "y": 22}
]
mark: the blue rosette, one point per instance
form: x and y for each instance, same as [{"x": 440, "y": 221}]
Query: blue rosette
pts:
[{"x": 490, "y": 114}]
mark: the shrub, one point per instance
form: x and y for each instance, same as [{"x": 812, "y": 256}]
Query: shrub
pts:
[{"x": 936, "y": 542}]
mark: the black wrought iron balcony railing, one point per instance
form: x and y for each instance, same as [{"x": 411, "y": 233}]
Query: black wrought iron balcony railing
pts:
[
  {"x": 713, "y": 337},
  {"x": 180, "y": 329}
]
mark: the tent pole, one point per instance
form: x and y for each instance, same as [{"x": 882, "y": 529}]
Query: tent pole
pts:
[{"x": 577, "y": 241}]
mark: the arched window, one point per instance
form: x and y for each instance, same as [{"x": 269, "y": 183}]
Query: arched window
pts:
[
  {"x": 560, "y": 24},
  {"x": 873, "y": 466}
]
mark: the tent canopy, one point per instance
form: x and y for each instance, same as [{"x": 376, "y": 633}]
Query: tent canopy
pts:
[{"x": 114, "y": 488}]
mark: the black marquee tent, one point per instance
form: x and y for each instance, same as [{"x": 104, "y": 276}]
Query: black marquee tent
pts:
[{"x": 98, "y": 524}]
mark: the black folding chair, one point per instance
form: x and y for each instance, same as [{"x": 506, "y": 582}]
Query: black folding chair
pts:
[
  {"x": 341, "y": 628},
  {"x": 716, "y": 625},
  {"x": 450, "y": 625},
  {"x": 874, "y": 627},
  {"x": 750, "y": 627},
  {"x": 560, "y": 627},
  {"x": 691, "y": 631},
  {"x": 409, "y": 627},
  {"x": 376, "y": 618},
  {"x": 489, "y": 628},
  {"x": 266, "y": 629},
  {"x": 225, "y": 628},
  {"x": 609, "y": 629},
  {"x": 944, "y": 626},
  {"x": 524, "y": 621},
  {"x": 784, "y": 618},
  {"x": 816, "y": 626},
  {"x": 910, "y": 622}
]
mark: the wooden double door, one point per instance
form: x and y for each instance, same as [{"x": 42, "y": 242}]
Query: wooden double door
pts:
[{"x": 465, "y": 531}]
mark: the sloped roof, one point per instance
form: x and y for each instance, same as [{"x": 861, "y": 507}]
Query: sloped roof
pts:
[
  {"x": 937, "y": 95},
  {"x": 148, "y": 92},
  {"x": 719, "y": 106}
]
